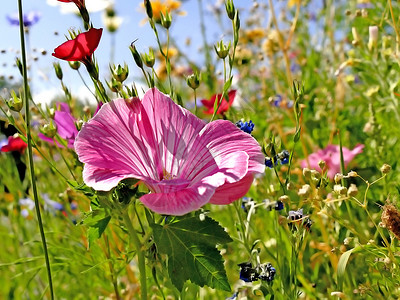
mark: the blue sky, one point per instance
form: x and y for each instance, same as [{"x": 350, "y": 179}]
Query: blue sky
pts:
[{"x": 42, "y": 36}]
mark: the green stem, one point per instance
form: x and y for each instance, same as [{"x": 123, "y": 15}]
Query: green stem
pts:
[
  {"x": 141, "y": 259},
  {"x": 30, "y": 154}
]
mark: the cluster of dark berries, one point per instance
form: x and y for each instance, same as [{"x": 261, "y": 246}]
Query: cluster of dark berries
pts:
[
  {"x": 265, "y": 272},
  {"x": 247, "y": 127},
  {"x": 282, "y": 157}
]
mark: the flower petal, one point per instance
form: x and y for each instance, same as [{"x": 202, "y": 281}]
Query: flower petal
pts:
[
  {"x": 81, "y": 47},
  {"x": 179, "y": 202},
  {"x": 230, "y": 192}
]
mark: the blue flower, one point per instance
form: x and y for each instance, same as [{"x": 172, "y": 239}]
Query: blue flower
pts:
[
  {"x": 279, "y": 205},
  {"x": 247, "y": 127},
  {"x": 284, "y": 157},
  {"x": 267, "y": 272},
  {"x": 270, "y": 163},
  {"x": 276, "y": 101},
  {"x": 29, "y": 19},
  {"x": 247, "y": 273}
]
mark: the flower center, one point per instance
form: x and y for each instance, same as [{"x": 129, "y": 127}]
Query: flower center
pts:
[{"x": 167, "y": 176}]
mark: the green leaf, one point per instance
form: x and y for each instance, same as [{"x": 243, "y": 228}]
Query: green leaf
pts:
[
  {"x": 97, "y": 221},
  {"x": 190, "y": 244},
  {"x": 341, "y": 268}
]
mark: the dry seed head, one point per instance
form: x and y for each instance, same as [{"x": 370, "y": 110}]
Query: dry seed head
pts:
[
  {"x": 385, "y": 168},
  {"x": 391, "y": 219}
]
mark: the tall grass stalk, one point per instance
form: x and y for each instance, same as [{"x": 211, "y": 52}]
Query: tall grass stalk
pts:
[{"x": 30, "y": 154}]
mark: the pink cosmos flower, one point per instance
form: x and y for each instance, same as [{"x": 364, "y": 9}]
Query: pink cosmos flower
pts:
[
  {"x": 184, "y": 162},
  {"x": 65, "y": 123},
  {"x": 331, "y": 156}
]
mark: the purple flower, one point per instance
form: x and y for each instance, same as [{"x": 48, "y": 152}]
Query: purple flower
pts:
[
  {"x": 65, "y": 123},
  {"x": 29, "y": 19}
]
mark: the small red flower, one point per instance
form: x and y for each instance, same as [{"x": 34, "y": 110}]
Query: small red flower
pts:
[
  {"x": 81, "y": 48},
  {"x": 79, "y": 3},
  {"x": 14, "y": 144},
  {"x": 209, "y": 104}
]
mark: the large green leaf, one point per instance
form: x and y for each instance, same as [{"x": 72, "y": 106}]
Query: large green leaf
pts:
[{"x": 191, "y": 248}]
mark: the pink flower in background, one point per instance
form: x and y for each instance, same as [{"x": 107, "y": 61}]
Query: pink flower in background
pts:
[
  {"x": 65, "y": 123},
  {"x": 331, "y": 156},
  {"x": 184, "y": 162}
]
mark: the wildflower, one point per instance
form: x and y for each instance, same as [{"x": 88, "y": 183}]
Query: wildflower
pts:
[
  {"x": 14, "y": 143},
  {"x": 29, "y": 19},
  {"x": 65, "y": 123},
  {"x": 159, "y": 7},
  {"x": 295, "y": 215},
  {"x": 223, "y": 107},
  {"x": 184, "y": 162},
  {"x": 331, "y": 156},
  {"x": 247, "y": 273},
  {"x": 80, "y": 48},
  {"x": 269, "y": 162},
  {"x": 284, "y": 157},
  {"x": 267, "y": 272},
  {"x": 246, "y": 126}
]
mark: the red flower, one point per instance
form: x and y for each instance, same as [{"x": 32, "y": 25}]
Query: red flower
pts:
[
  {"x": 14, "y": 144},
  {"x": 79, "y": 3},
  {"x": 209, "y": 104},
  {"x": 81, "y": 48}
]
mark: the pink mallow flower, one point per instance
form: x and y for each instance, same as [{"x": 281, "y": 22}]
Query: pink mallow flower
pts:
[
  {"x": 331, "y": 156},
  {"x": 65, "y": 123},
  {"x": 184, "y": 162}
]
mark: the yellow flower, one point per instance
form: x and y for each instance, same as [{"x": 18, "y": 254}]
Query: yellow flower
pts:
[
  {"x": 162, "y": 6},
  {"x": 293, "y": 2},
  {"x": 253, "y": 35}
]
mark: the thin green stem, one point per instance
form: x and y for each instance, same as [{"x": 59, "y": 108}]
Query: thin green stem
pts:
[
  {"x": 138, "y": 245},
  {"x": 30, "y": 154}
]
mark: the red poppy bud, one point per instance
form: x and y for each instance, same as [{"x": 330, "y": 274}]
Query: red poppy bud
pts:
[
  {"x": 80, "y": 48},
  {"x": 14, "y": 144}
]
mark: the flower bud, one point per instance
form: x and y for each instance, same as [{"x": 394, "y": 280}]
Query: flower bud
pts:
[
  {"x": 149, "y": 9},
  {"x": 114, "y": 85},
  {"x": 230, "y": 9},
  {"x": 58, "y": 70},
  {"x": 136, "y": 55},
  {"x": 166, "y": 19},
  {"x": 385, "y": 168},
  {"x": 120, "y": 73},
  {"x": 193, "y": 80},
  {"x": 338, "y": 177},
  {"x": 149, "y": 59},
  {"x": 322, "y": 164},
  {"x": 305, "y": 191},
  {"x": 14, "y": 103},
  {"x": 19, "y": 65},
  {"x": 373, "y": 37},
  {"x": 75, "y": 65},
  {"x": 222, "y": 50},
  {"x": 49, "y": 130},
  {"x": 307, "y": 173},
  {"x": 352, "y": 191},
  {"x": 352, "y": 174}
]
